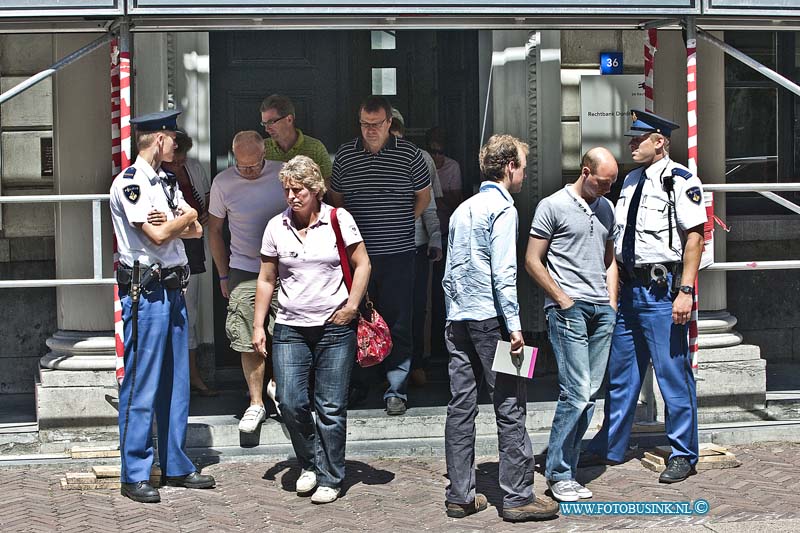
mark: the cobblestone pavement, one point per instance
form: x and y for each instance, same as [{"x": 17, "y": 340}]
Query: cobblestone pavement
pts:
[{"x": 402, "y": 495}]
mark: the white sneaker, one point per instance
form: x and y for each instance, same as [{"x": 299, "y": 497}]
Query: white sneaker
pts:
[
  {"x": 272, "y": 387},
  {"x": 306, "y": 482},
  {"x": 583, "y": 492},
  {"x": 325, "y": 495},
  {"x": 563, "y": 491},
  {"x": 251, "y": 418}
]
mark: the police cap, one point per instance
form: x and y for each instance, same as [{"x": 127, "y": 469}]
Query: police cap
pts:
[
  {"x": 645, "y": 122},
  {"x": 158, "y": 121}
]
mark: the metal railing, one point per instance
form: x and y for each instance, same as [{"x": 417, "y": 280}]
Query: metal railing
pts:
[
  {"x": 97, "y": 240},
  {"x": 767, "y": 190}
]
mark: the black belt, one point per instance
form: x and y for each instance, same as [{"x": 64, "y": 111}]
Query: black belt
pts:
[
  {"x": 169, "y": 278},
  {"x": 648, "y": 272}
]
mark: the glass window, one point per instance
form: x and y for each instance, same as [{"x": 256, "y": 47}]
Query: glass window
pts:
[
  {"x": 384, "y": 81},
  {"x": 751, "y": 134},
  {"x": 382, "y": 40},
  {"x": 760, "y": 45}
]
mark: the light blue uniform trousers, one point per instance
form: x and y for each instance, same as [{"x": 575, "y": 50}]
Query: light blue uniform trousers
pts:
[
  {"x": 158, "y": 385},
  {"x": 645, "y": 331}
]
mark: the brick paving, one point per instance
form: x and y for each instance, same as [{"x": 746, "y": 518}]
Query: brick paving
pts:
[{"x": 397, "y": 495}]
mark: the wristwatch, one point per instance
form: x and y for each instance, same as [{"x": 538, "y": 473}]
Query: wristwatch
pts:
[{"x": 686, "y": 289}]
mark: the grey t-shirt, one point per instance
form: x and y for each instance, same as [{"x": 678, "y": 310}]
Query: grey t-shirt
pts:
[{"x": 578, "y": 233}]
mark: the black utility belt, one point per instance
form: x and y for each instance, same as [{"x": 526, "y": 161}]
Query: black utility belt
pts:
[
  {"x": 655, "y": 272},
  {"x": 169, "y": 278}
]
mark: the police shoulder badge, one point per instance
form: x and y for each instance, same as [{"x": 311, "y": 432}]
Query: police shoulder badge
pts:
[
  {"x": 131, "y": 192},
  {"x": 693, "y": 193}
]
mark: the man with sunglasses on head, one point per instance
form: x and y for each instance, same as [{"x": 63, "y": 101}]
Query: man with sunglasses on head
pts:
[
  {"x": 248, "y": 194},
  {"x": 285, "y": 140},
  {"x": 384, "y": 183}
]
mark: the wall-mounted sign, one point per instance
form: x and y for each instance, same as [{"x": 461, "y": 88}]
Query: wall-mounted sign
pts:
[
  {"x": 611, "y": 63},
  {"x": 606, "y": 103}
]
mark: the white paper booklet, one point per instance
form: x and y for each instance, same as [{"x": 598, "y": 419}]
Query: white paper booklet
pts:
[{"x": 503, "y": 362}]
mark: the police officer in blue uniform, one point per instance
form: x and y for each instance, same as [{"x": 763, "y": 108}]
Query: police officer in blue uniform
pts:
[
  {"x": 660, "y": 216},
  {"x": 153, "y": 270}
]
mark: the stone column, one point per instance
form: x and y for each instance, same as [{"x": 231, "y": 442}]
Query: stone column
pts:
[
  {"x": 77, "y": 387},
  {"x": 731, "y": 381}
]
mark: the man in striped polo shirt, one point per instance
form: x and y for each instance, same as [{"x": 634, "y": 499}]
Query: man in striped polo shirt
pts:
[{"x": 384, "y": 183}]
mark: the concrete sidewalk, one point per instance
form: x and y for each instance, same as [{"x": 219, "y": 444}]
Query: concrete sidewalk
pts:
[{"x": 403, "y": 495}]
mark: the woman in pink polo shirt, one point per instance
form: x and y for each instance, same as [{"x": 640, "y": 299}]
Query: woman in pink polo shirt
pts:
[{"x": 315, "y": 329}]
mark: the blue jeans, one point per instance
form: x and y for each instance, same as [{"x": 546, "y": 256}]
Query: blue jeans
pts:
[
  {"x": 328, "y": 351},
  {"x": 581, "y": 339}
]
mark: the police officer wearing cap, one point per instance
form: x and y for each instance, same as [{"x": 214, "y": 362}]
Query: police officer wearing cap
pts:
[
  {"x": 151, "y": 277},
  {"x": 660, "y": 216}
]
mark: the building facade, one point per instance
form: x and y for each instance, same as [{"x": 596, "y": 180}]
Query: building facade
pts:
[{"x": 433, "y": 60}]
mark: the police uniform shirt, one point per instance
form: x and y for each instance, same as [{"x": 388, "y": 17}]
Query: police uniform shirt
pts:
[
  {"x": 133, "y": 195},
  {"x": 652, "y": 223}
]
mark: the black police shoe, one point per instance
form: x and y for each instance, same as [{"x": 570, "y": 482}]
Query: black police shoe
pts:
[
  {"x": 678, "y": 469},
  {"x": 395, "y": 406},
  {"x": 195, "y": 480},
  {"x": 141, "y": 491}
]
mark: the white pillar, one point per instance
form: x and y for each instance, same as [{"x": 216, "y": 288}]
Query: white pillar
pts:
[
  {"x": 82, "y": 165},
  {"x": 78, "y": 374}
]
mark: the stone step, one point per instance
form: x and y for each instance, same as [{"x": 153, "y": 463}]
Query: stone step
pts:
[{"x": 368, "y": 425}]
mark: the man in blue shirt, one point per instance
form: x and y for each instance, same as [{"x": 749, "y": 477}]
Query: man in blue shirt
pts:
[{"x": 480, "y": 286}]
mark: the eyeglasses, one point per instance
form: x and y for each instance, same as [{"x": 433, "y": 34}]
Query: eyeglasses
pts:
[
  {"x": 268, "y": 123},
  {"x": 249, "y": 168},
  {"x": 435, "y": 152},
  {"x": 372, "y": 125}
]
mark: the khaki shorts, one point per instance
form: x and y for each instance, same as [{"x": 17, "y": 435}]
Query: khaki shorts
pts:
[{"x": 241, "y": 310}]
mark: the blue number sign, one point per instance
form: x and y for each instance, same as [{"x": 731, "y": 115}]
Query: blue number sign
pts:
[{"x": 611, "y": 63}]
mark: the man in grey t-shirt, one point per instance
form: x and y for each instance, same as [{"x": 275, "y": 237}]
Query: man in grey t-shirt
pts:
[{"x": 571, "y": 256}]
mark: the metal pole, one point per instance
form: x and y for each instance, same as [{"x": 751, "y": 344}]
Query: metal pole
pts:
[
  {"x": 36, "y": 78},
  {"x": 750, "y": 62},
  {"x": 97, "y": 240}
]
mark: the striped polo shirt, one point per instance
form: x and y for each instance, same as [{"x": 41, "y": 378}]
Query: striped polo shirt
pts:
[{"x": 379, "y": 191}]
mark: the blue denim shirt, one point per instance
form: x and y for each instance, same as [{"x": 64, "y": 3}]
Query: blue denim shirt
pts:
[{"x": 480, "y": 277}]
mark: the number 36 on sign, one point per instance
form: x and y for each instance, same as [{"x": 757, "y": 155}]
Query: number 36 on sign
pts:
[{"x": 611, "y": 63}]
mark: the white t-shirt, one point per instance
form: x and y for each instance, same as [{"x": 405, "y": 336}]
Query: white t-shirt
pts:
[
  {"x": 312, "y": 284},
  {"x": 133, "y": 195},
  {"x": 248, "y": 204}
]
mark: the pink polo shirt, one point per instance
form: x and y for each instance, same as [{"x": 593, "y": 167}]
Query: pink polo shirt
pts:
[{"x": 312, "y": 285}]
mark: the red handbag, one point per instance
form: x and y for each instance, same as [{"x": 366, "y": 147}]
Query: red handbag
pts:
[{"x": 374, "y": 338}]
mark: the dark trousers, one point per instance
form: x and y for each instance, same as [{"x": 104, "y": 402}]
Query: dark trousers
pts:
[
  {"x": 391, "y": 289},
  {"x": 422, "y": 266},
  {"x": 472, "y": 345},
  {"x": 438, "y": 314}
]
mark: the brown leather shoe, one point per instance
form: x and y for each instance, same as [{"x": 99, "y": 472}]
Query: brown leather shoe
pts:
[
  {"x": 538, "y": 509},
  {"x": 457, "y": 510}
]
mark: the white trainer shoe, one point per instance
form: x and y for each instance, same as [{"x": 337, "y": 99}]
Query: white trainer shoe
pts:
[
  {"x": 272, "y": 387},
  {"x": 325, "y": 495},
  {"x": 306, "y": 482},
  {"x": 583, "y": 492},
  {"x": 251, "y": 418},
  {"x": 563, "y": 491}
]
